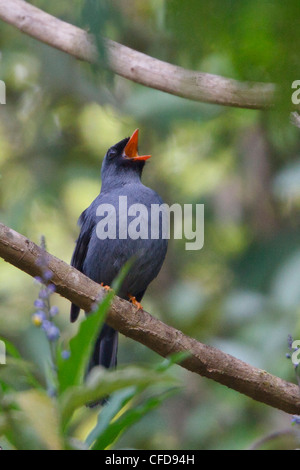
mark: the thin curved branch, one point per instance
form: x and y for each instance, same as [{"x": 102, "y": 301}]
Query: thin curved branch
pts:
[
  {"x": 144, "y": 328},
  {"x": 134, "y": 65}
]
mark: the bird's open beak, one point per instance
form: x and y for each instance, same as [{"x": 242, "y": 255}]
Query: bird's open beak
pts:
[{"x": 131, "y": 149}]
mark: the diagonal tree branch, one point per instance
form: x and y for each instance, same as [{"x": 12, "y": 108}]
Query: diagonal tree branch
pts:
[
  {"x": 144, "y": 328},
  {"x": 134, "y": 65}
]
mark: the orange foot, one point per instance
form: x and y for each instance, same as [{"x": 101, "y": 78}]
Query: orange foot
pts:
[
  {"x": 108, "y": 288},
  {"x": 133, "y": 300}
]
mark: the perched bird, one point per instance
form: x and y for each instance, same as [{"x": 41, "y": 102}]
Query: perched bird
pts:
[{"x": 102, "y": 259}]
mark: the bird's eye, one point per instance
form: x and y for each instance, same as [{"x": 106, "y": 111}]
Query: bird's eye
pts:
[{"x": 112, "y": 152}]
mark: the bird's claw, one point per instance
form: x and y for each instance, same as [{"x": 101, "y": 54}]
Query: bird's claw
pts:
[
  {"x": 107, "y": 288},
  {"x": 133, "y": 300}
]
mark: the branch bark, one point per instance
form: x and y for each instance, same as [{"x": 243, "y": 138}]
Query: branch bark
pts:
[
  {"x": 134, "y": 65},
  {"x": 144, "y": 328}
]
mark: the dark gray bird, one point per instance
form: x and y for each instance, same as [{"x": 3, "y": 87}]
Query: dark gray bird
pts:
[{"x": 102, "y": 259}]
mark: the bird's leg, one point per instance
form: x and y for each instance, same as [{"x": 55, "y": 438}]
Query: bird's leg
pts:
[
  {"x": 133, "y": 300},
  {"x": 108, "y": 288}
]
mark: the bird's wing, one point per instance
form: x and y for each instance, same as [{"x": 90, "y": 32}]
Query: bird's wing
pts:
[{"x": 87, "y": 224}]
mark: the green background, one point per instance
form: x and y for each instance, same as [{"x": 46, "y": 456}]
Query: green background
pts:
[{"x": 241, "y": 292}]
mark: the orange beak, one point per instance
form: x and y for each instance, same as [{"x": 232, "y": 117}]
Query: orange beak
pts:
[{"x": 131, "y": 149}]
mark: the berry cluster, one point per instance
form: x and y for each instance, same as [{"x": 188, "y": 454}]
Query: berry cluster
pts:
[{"x": 44, "y": 315}]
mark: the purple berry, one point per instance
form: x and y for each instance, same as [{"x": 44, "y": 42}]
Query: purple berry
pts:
[
  {"x": 39, "y": 303},
  {"x": 43, "y": 294},
  {"x": 51, "y": 288},
  {"x": 52, "y": 332},
  {"x": 53, "y": 311},
  {"x": 48, "y": 275},
  {"x": 65, "y": 354}
]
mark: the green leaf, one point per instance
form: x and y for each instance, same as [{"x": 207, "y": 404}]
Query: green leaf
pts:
[
  {"x": 41, "y": 418},
  {"x": 126, "y": 420},
  {"x": 4, "y": 424},
  {"x": 10, "y": 348},
  {"x": 120, "y": 399},
  {"x": 109, "y": 411},
  {"x": 18, "y": 373},
  {"x": 71, "y": 371},
  {"x": 102, "y": 382}
]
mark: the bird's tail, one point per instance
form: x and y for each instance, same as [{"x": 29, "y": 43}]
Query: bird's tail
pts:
[
  {"x": 106, "y": 348},
  {"x": 105, "y": 352}
]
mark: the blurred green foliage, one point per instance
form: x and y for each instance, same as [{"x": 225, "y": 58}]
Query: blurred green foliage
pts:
[
  {"x": 39, "y": 418},
  {"x": 241, "y": 292}
]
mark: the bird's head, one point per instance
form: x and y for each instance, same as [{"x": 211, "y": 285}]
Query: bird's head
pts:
[{"x": 122, "y": 161}]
